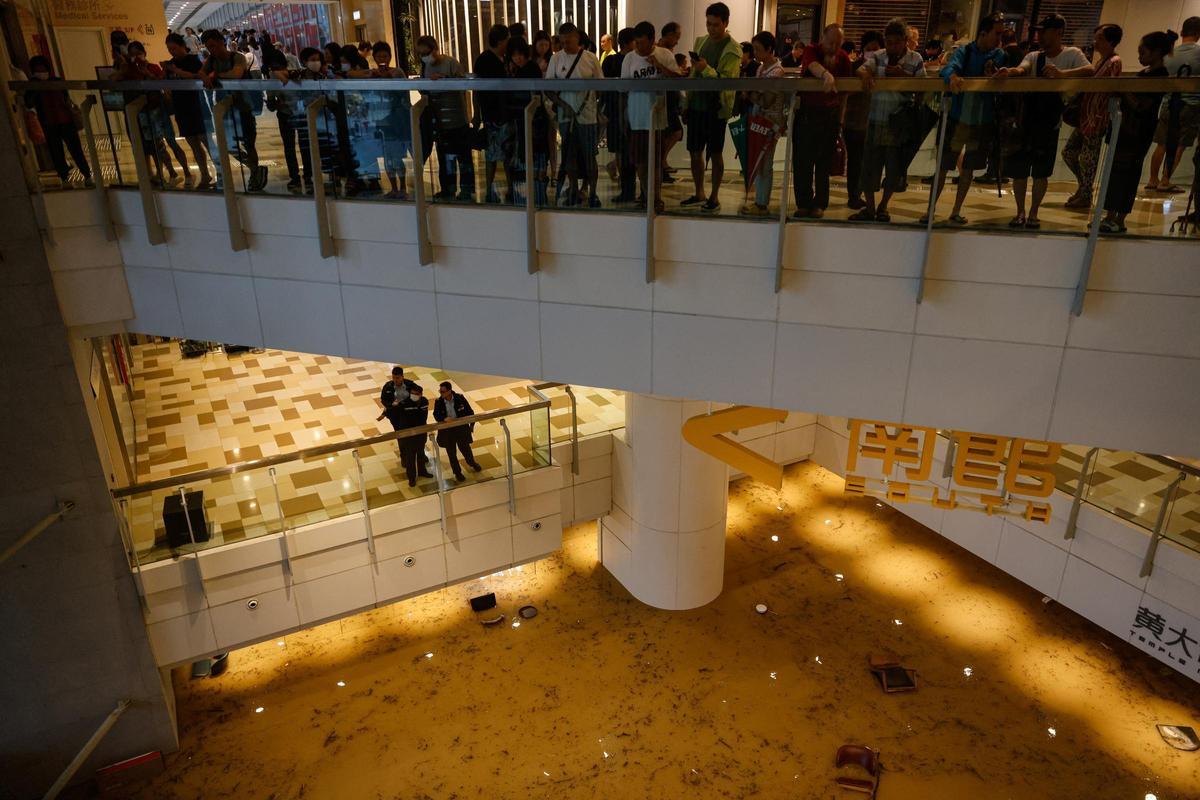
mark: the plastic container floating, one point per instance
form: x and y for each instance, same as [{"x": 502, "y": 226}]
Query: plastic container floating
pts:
[
  {"x": 528, "y": 612},
  {"x": 761, "y": 608}
]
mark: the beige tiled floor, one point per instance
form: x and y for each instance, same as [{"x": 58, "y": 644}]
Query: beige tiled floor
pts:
[{"x": 219, "y": 409}]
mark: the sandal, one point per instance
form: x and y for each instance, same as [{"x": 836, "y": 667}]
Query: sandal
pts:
[
  {"x": 1018, "y": 221},
  {"x": 958, "y": 219},
  {"x": 1108, "y": 226},
  {"x": 883, "y": 216},
  {"x": 1151, "y": 187},
  {"x": 1033, "y": 223},
  {"x": 1171, "y": 188},
  {"x": 862, "y": 216}
]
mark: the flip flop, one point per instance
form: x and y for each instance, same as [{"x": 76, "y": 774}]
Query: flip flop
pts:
[
  {"x": 862, "y": 216},
  {"x": 1033, "y": 224},
  {"x": 1018, "y": 221}
]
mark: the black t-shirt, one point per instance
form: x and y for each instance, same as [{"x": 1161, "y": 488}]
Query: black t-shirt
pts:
[
  {"x": 493, "y": 105},
  {"x": 187, "y": 103}
]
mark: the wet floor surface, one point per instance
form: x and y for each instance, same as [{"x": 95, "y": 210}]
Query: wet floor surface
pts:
[{"x": 600, "y": 696}]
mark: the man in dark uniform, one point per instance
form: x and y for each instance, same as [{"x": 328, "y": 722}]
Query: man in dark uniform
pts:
[
  {"x": 452, "y": 405},
  {"x": 405, "y": 406}
]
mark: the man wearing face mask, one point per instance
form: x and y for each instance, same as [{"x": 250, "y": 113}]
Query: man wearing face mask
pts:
[
  {"x": 230, "y": 64},
  {"x": 448, "y": 124}
]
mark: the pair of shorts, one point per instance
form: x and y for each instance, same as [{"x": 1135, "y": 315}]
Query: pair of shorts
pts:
[
  {"x": 976, "y": 140},
  {"x": 1189, "y": 125},
  {"x": 674, "y": 116},
  {"x": 584, "y": 140},
  {"x": 705, "y": 132},
  {"x": 885, "y": 162},
  {"x": 501, "y": 141},
  {"x": 1034, "y": 155}
]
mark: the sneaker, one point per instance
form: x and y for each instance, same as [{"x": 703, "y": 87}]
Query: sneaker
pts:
[
  {"x": 475, "y": 467},
  {"x": 855, "y": 203},
  {"x": 692, "y": 201},
  {"x": 817, "y": 213},
  {"x": 594, "y": 202},
  {"x": 465, "y": 196},
  {"x": 88, "y": 183},
  {"x": 710, "y": 206},
  {"x": 293, "y": 186},
  {"x": 668, "y": 178}
]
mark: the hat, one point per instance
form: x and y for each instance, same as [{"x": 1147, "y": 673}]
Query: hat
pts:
[{"x": 1057, "y": 21}]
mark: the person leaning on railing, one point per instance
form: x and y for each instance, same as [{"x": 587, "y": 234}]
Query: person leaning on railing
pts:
[
  {"x": 1138, "y": 121},
  {"x": 445, "y": 121},
  {"x": 718, "y": 56},
  {"x": 1030, "y": 143},
  {"x": 223, "y": 63},
  {"x": 393, "y": 122},
  {"x": 523, "y": 66},
  {"x": 191, "y": 112},
  {"x": 772, "y": 106},
  {"x": 577, "y": 120},
  {"x": 1179, "y": 116},
  {"x": 817, "y": 123},
  {"x": 1082, "y": 151}
]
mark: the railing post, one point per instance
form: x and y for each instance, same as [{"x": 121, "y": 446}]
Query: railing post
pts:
[
  {"x": 424, "y": 246},
  {"x": 1085, "y": 469},
  {"x": 648, "y": 189},
  {"x": 933, "y": 194},
  {"x": 233, "y": 215},
  {"x": 574, "y": 431},
  {"x": 283, "y": 543},
  {"x": 154, "y": 230},
  {"x": 951, "y": 454},
  {"x": 1167, "y": 501},
  {"x": 781, "y": 230},
  {"x": 324, "y": 234},
  {"x": 531, "y": 246},
  {"x": 437, "y": 476},
  {"x": 192, "y": 537},
  {"x": 85, "y": 109},
  {"x": 362, "y": 488},
  {"x": 135, "y": 565},
  {"x": 88, "y": 748},
  {"x": 508, "y": 462},
  {"x": 1089, "y": 251}
]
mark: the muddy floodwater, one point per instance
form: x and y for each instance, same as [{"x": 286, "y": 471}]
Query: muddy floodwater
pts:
[{"x": 600, "y": 696}]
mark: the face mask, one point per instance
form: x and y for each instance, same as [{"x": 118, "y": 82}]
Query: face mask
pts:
[
  {"x": 42, "y": 76},
  {"x": 428, "y": 60},
  {"x": 314, "y": 66}
]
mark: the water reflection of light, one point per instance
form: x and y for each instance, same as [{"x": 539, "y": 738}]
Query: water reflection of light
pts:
[
  {"x": 773, "y": 676},
  {"x": 1052, "y": 732},
  {"x": 259, "y": 710},
  {"x": 839, "y": 577},
  {"x": 774, "y": 537},
  {"x": 1151, "y": 797},
  {"x": 828, "y": 522},
  {"x": 516, "y": 623},
  {"x": 897, "y": 622},
  {"x": 967, "y": 671},
  {"x": 429, "y": 655},
  {"x": 280, "y": 643},
  {"x": 818, "y": 660},
  {"x": 341, "y": 683}
]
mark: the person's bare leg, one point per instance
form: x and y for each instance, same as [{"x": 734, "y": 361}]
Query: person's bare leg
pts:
[
  {"x": 180, "y": 156},
  {"x": 1156, "y": 162},
  {"x": 1018, "y": 190},
  {"x": 718, "y": 174},
  {"x": 698, "y": 173},
  {"x": 964, "y": 186},
  {"x": 939, "y": 185},
  {"x": 197, "y": 145},
  {"x": 883, "y": 203},
  {"x": 1166, "y": 181},
  {"x": 490, "y": 170},
  {"x": 1039, "y": 194}
]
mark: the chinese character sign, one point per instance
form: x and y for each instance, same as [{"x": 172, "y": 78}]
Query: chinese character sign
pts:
[
  {"x": 1169, "y": 635},
  {"x": 991, "y": 474}
]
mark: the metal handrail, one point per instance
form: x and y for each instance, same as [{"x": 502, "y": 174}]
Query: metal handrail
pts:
[
  {"x": 319, "y": 450},
  {"x": 787, "y": 84},
  {"x": 36, "y": 530}
]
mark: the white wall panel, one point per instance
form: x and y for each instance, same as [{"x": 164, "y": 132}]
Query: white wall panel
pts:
[
  {"x": 721, "y": 359},
  {"x": 872, "y": 302},
  {"x": 387, "y": 264},
  {"x": 855, "y": 372},
  {"x": 993, "y": 386},
  {"x": 393, "y": 578},
  {"x": 283, "y": 216},
  {"x": 89, "y": 297},
  {"x": 721, "y": 291},
  {"x": 594, "y": 280},
  {"x": 1031, "y": 559},
  {"x": 485, "y": 273},
  {"x": 596, "y": 346},
  {"x": 478, "y": 554},
  {"x": 1001, "y": 312},
  {"x": 195, "y": 251},
  {"x": 235, "y": 623},
  {"x": 301, "y": 315},
  {"x": 1097, "y": 595},
  {"x": 81, "y": 248},
  {"x": 1138, "y": 323},
  {"x": 1122, "y": 401},
  {"x": 413, "y": 342},
  {"x": 183, "y": 638},
  {"x": 290, "y": 257},
  {"x": 334, "y": 595},
  {"x": 372, "y": 222},
  {"x": 219, "y": 308},
  {"x": 490, "y": 335},
  {"x": 136, "y": 250}
]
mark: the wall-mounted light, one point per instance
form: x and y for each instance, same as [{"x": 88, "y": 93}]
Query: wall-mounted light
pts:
[{"x": 357, "y": 15}]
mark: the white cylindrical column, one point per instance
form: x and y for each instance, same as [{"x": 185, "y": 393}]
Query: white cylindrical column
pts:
[{"x": 665, "y": 538}]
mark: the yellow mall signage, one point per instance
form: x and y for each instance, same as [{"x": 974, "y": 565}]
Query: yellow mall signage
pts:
[
  {"x": 991, "y": 474},
  {"x": 705, "y": 433}
]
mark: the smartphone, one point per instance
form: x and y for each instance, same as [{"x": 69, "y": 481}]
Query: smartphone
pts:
[{"x": 693, "y": 55}]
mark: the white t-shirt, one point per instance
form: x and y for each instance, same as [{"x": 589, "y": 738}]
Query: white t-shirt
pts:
[
  {"x": 637, "y": 67},
  {"x": 584, "y": 103},
  {"x": 1187, "y": 53},
  {"x": 1069, "y": 58}
]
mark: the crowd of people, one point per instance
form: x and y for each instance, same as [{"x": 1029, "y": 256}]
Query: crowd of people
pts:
[{"x": 870, "y": 137}]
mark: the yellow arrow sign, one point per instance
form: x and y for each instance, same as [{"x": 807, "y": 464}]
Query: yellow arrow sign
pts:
[{"x": 705, "y": 433}]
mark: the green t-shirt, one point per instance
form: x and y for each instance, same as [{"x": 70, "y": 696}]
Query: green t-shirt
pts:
[{"x": 711, "y": 52}]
